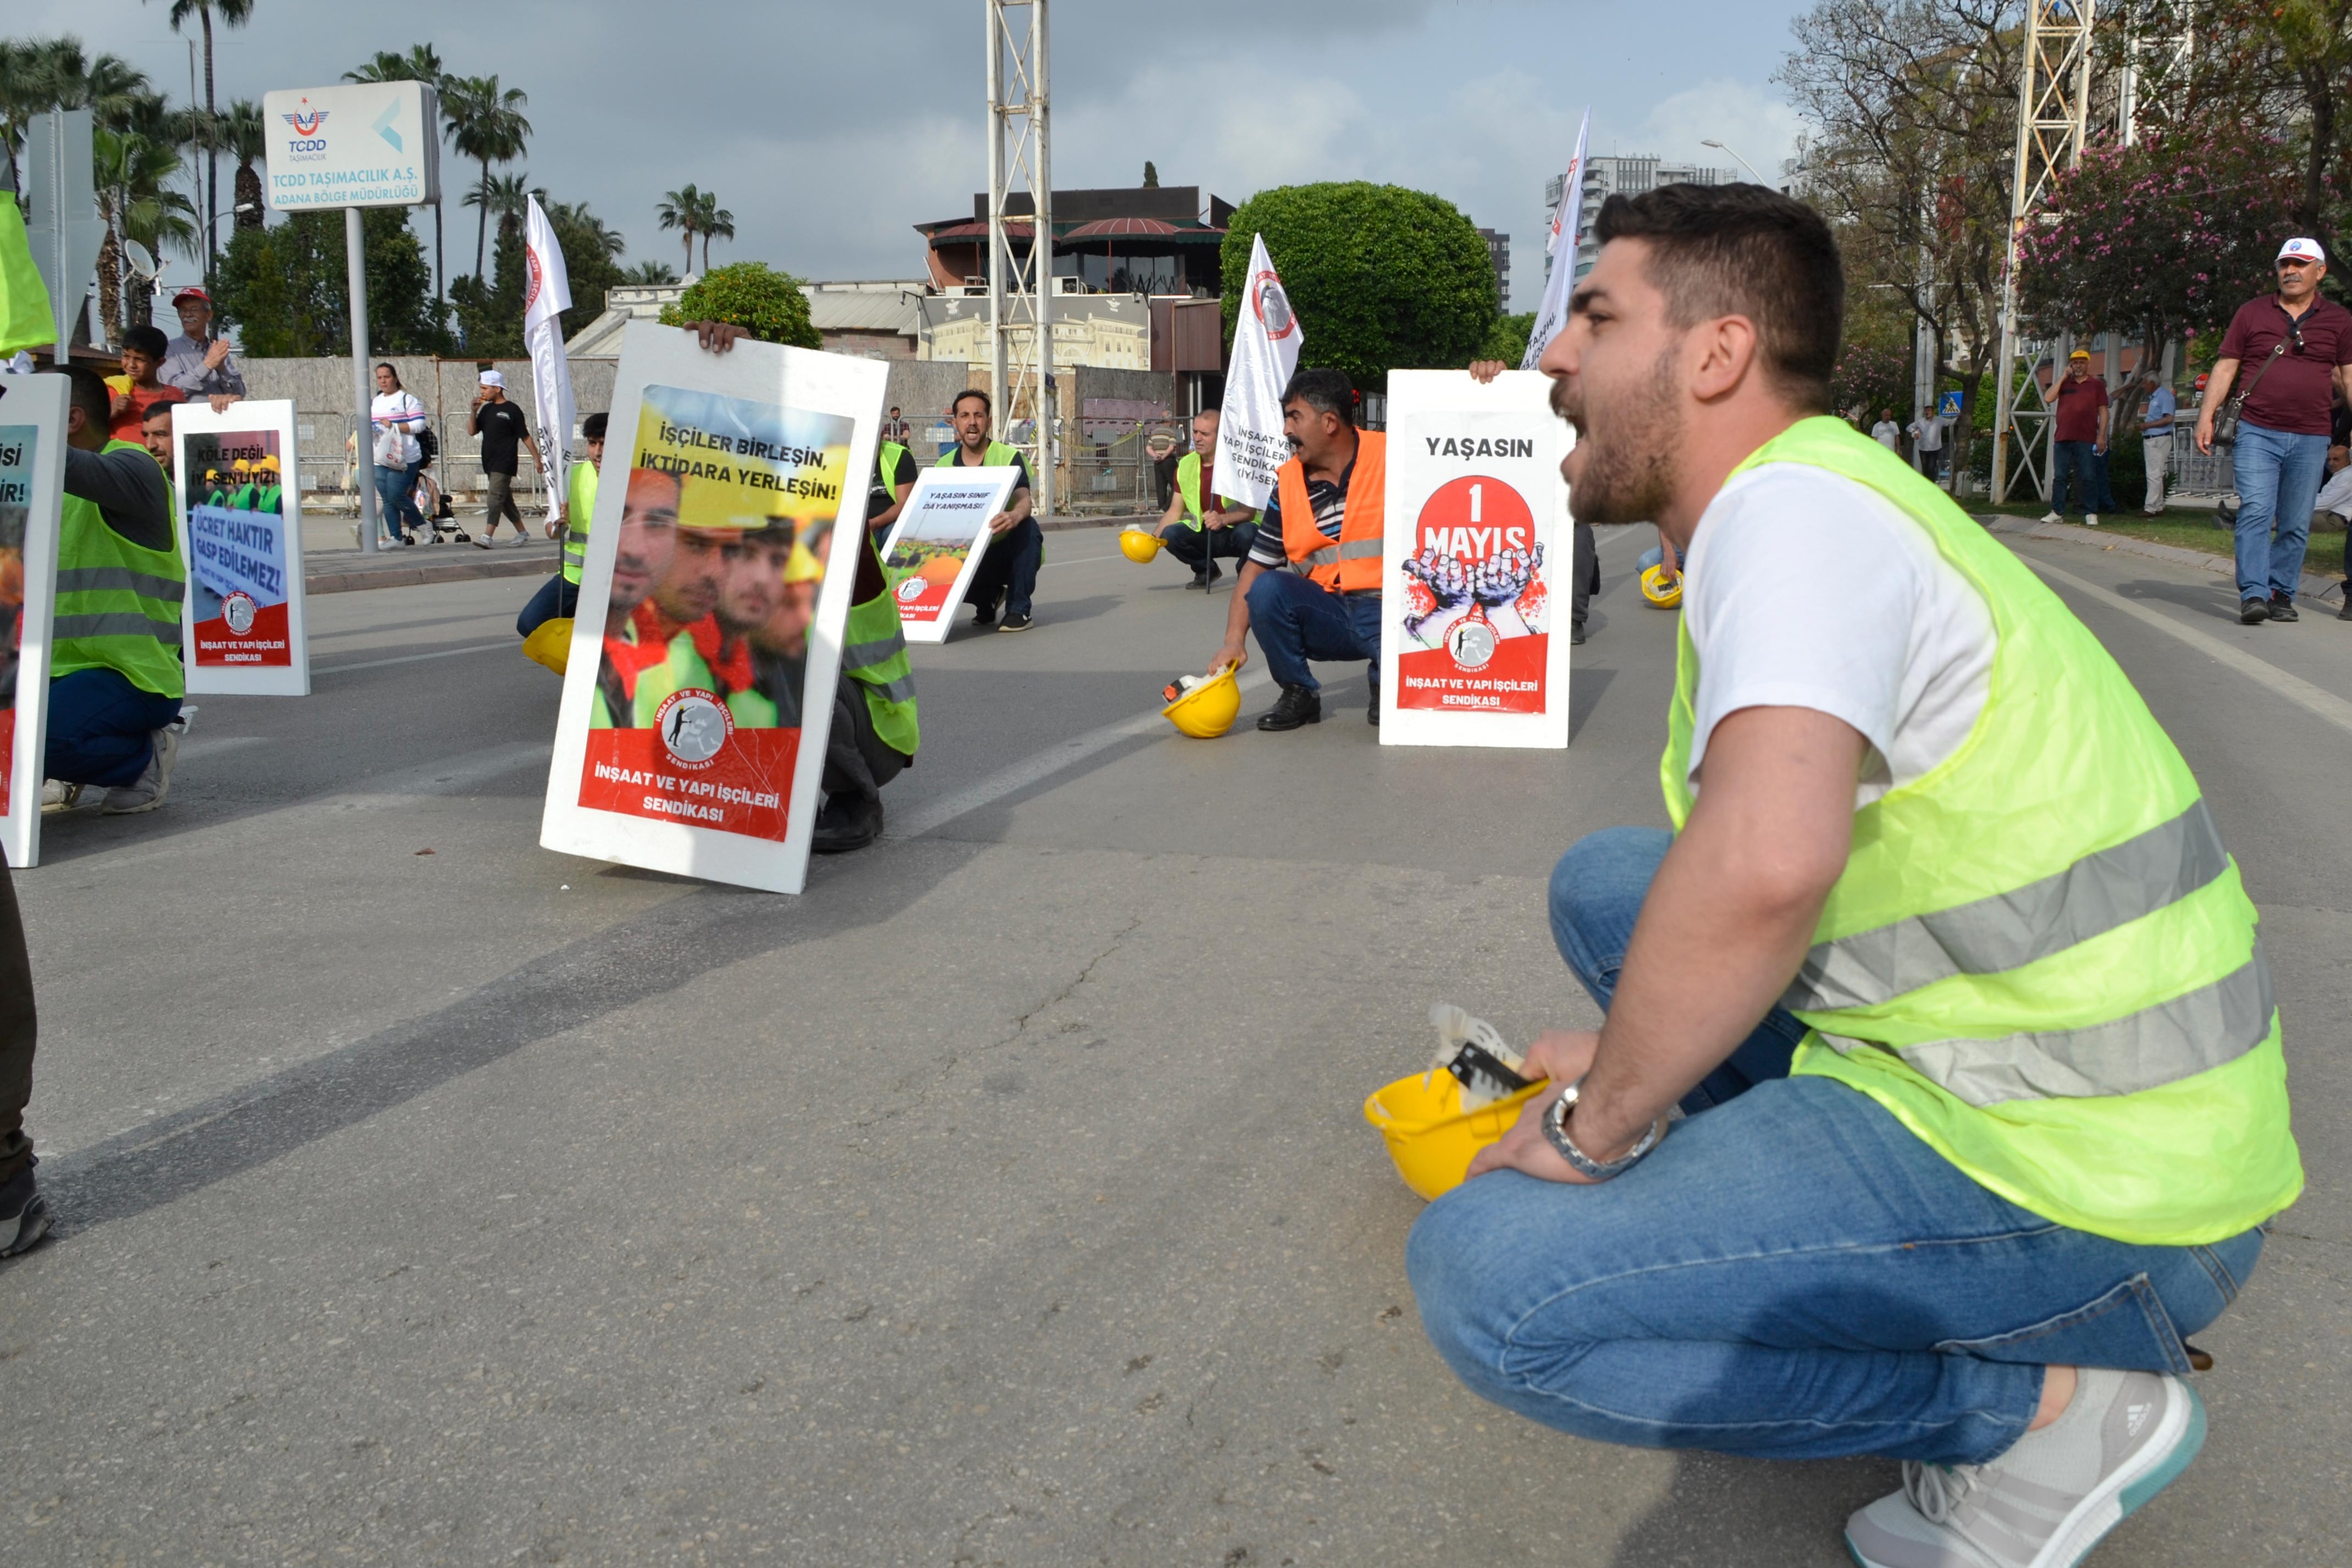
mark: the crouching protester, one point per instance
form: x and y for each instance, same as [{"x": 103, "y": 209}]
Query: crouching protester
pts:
[
  {"x": 115, "y": 681},
  {"x": 1201, "y": 525},
  {"x": 1311, "y": 587},
  {"x": 1983, "y": 1103},
  {"x": 559, "y": 597}
]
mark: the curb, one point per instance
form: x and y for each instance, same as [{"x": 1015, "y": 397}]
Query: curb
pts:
[
  {"x": 2317, "y": 589},
  {"x": 407, "y": 576}
]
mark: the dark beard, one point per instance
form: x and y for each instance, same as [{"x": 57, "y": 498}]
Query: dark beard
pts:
[{"x": 1629, "y": 469}]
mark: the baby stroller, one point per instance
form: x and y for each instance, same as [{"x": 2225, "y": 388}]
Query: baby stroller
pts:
[{"x": 440, "y": 517}]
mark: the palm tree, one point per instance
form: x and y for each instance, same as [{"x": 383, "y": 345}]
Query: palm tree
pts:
[
  {"x": 648, "y": 274},
  {"x": 487, "y": 125},
  {"x": 715, "y": 222},
  {"x": 573, "y": 219},
  {"x": 53, "y": 73},
  {"x": 421, "y": 63},
  {"x": 502, "y": 197},
  {"x": 133, "y": 175},
  {"x": 242, "y": 134},
  {"x": 232, "y": 14},
  {"x": 682, "y": 209}
]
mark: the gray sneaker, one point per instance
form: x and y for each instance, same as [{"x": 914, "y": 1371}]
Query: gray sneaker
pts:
[
  {"x": 24, "y": 1213},
  {"x": 59, "y": 795},
  {"x": 148, "y": 791},
  {"x": 2051, "y": 1498}
]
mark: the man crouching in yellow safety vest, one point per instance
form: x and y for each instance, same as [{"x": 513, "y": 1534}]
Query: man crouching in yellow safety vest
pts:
[{"x": 1984, "y": 1102}]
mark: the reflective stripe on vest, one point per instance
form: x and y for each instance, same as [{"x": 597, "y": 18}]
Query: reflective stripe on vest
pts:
[
  {"x": 1352, "y": 562},
  {"x": 874, "y": 655},
  {"x": 887, "y": 465},
  {"x": 118, "y": 604},
  {"x": 579, "y": 509},
  {"x": 2039, "y": 956}
]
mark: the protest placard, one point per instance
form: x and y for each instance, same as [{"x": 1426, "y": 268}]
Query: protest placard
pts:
[
  {"x": 1477, "y": 530},
  {"x": 240, "y": 510},
  {"x": 706, "y": 645},
  {"x": 937, "y": 543},
  {"x": 32, "y": 490}
]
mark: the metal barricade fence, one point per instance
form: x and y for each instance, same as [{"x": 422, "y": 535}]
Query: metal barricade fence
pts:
[
  {"x": 1112, "y": 466},
  {"x": 329, "y": 472}
]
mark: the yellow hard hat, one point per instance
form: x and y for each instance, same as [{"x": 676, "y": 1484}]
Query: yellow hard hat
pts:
[
  {"x": 551, "y": 644},
  {"x": 1139, "y": 545},
  {"x": 242, "y": 466},
  {"x": 1662, "y": 588},
  {"x": 802, "y": 565},
  {"x": 1209, "y": 709},
  {"x": 1430, "y": 1137},
  {"x": 269, "y": 461}
]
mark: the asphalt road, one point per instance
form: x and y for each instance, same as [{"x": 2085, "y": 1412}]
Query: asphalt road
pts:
[{"x": 1003, "y": 1200}]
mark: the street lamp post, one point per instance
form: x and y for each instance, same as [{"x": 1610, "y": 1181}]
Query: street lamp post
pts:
[{"x": 1742, "y": 161}]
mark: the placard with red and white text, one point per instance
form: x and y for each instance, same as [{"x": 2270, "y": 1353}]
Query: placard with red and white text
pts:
[
  {"x": 1476, "y": 531},
  {"x": 937, "y": 543},
  {"x": 32, "y": 489},
  {"x": 239, "y": 489},
  {"x": 698, "y": 692}
]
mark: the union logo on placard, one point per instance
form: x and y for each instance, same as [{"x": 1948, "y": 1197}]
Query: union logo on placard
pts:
[
  {"x": 1273, "y": 306},
  {"x": 912, "y": 589},
  {"x": 693, "y": 725},
  {"x": 238, "y": 610},
  {"x": 1472, "y": 644}
]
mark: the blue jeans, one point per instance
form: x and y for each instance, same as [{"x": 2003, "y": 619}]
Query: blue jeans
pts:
[
  {"x": 557, "y": 596},
  {"x": 2279, "y": 476},
  {"x": 1792, "y": 1274},
  {"x": 395, "y": 502},
  {"x": 101, "y": 728},
  {"x": 1296, "y": 620},
  {"x": 1008, "y": 567},
  {"x": 2075, "y": 463}
]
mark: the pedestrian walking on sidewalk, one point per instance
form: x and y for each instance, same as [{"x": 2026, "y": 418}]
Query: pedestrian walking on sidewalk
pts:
[
  {"x": 2157, "y": 410},
  {"x": 397, "y": 419},
  {"x": 505, "y": 434},
  {"x": 2082, "y": 418},
  {"x": 2289, "y": 348}
]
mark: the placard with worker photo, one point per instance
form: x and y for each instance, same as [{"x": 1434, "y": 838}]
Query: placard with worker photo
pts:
[
  {"x": 32, "y": 491},
  {"x": 1477, "y": 530},
  {"x": 936, "y": 546},
  {"x": 706, "y": 608},
  {"x": 240, "y": 494}
]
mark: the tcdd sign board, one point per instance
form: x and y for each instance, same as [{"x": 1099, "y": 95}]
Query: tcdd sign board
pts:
[{"x": 370, "y": 144}]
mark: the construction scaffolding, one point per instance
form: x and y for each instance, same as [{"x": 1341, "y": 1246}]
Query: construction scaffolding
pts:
[
  {"x": 1020, "y": 279},
  {"x": 2052, "y": 107}
]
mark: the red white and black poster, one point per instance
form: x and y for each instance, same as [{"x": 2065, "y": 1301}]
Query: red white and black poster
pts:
[
  {"x": 32, "y": 490},
  {"x": 1476, "y": 534},
  {"x": 239, "y": 484}
]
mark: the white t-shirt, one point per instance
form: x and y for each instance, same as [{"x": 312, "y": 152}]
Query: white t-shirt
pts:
[
  {"x": 1808, "y": 590},
  {"x": 396, "y": 415},
  {"x": 1886, "y": 432}
]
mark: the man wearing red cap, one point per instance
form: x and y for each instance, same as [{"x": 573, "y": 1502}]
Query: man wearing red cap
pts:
[{"x": 197, "y": 363}]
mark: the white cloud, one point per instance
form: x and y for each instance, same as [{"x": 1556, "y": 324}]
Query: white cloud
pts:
[{"x": 1747, "y": 116}]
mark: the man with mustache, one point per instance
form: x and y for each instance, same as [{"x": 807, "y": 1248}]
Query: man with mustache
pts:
[
  {"x": 641, "y": 556},
  {"x": 1324, "y": 523},
  {"x": 1983, "y": 1093}
]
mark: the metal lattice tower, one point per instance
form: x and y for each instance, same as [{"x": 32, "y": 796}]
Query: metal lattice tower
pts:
[
  {"x": 2155, "y": 75},
  {"x": 2053, "y": 108},
  {"x": 1020, "y": 297}
]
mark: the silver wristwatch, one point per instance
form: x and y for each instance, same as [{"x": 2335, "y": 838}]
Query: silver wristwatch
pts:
[{"x": 1555, "y": 1126}]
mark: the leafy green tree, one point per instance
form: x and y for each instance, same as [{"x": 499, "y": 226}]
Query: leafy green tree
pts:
[
  {"x": 649, "y": 274},
  {"x": 486, "y": 125},
  {"x": 754, "y": 296},
  {"x": 592, "y": 252},
  {"x": 681, "y": 210},
  {"x": 1506, "y": 340},
  {"x": 1381, "y": 278},
  {"x": 283, "y": 286},
  {"x": 243, "y": 138},
  {"x": 134, "y": 176}
]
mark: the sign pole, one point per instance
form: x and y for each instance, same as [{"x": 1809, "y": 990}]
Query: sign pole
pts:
[{"x": 363, "y": 438}]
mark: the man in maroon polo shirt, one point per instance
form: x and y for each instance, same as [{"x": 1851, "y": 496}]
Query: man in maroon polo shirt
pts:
[{"x": 2081, "y": 401}]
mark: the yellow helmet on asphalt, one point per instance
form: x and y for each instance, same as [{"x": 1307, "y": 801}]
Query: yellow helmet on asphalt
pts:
[
  {"x": 1139, "y": 545},
  {"x": 1662, "y": 588},
  {"x": 549, "y": 644},
  {"x": 1209, "y": 709}
]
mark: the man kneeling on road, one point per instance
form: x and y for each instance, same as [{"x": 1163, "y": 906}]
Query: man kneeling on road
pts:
[
  {"x": 1324, "y": 522},
  {"x": 115, "y": 683},
  {"x": 1201, "y": 525},
  {"x": 1984, "y": 1094}
]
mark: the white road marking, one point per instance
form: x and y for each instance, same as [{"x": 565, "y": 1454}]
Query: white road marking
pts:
[
  {"x": 514, "y": 642},
  {"x": 212, "y": 745},
  {"x": 1043, "y": 765},
  {"x": 2316, "y": 700}
]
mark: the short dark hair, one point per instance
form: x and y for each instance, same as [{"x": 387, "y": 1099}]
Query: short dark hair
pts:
[
  {"x": 1327, "y": 390},
  {"x": 957, "y": 401},
  {"x": 159, "y": 409},
  {"x": 593, "y": 427},
  {"x": 149, "y": 341},
  {"x": 88, "y": 391},
  {"x": 1744, "y": 250}
]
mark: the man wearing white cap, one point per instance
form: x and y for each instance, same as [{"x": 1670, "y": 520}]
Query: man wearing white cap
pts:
[
  {"x": 2292, "y": 346},
  {"x": 501, "y": 425}
]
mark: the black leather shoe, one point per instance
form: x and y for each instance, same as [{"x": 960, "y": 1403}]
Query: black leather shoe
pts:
[
  {"x": 2253, "y": 612},
  {"x": 2343, "y": 610},
  {"x": 2283, "y": 608},
  {"x": 1576, "y": 634},
  {"x": 1297, "y": 706},
  {"x": 847, "y": 822},
  {"x": 983, "y": 616}
]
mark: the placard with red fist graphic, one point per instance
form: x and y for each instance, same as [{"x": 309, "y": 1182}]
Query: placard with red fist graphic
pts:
[{"x": 1476, "y": 531}]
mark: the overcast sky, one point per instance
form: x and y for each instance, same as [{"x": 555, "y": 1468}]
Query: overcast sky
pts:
[{"x": 829, "y": 129}]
